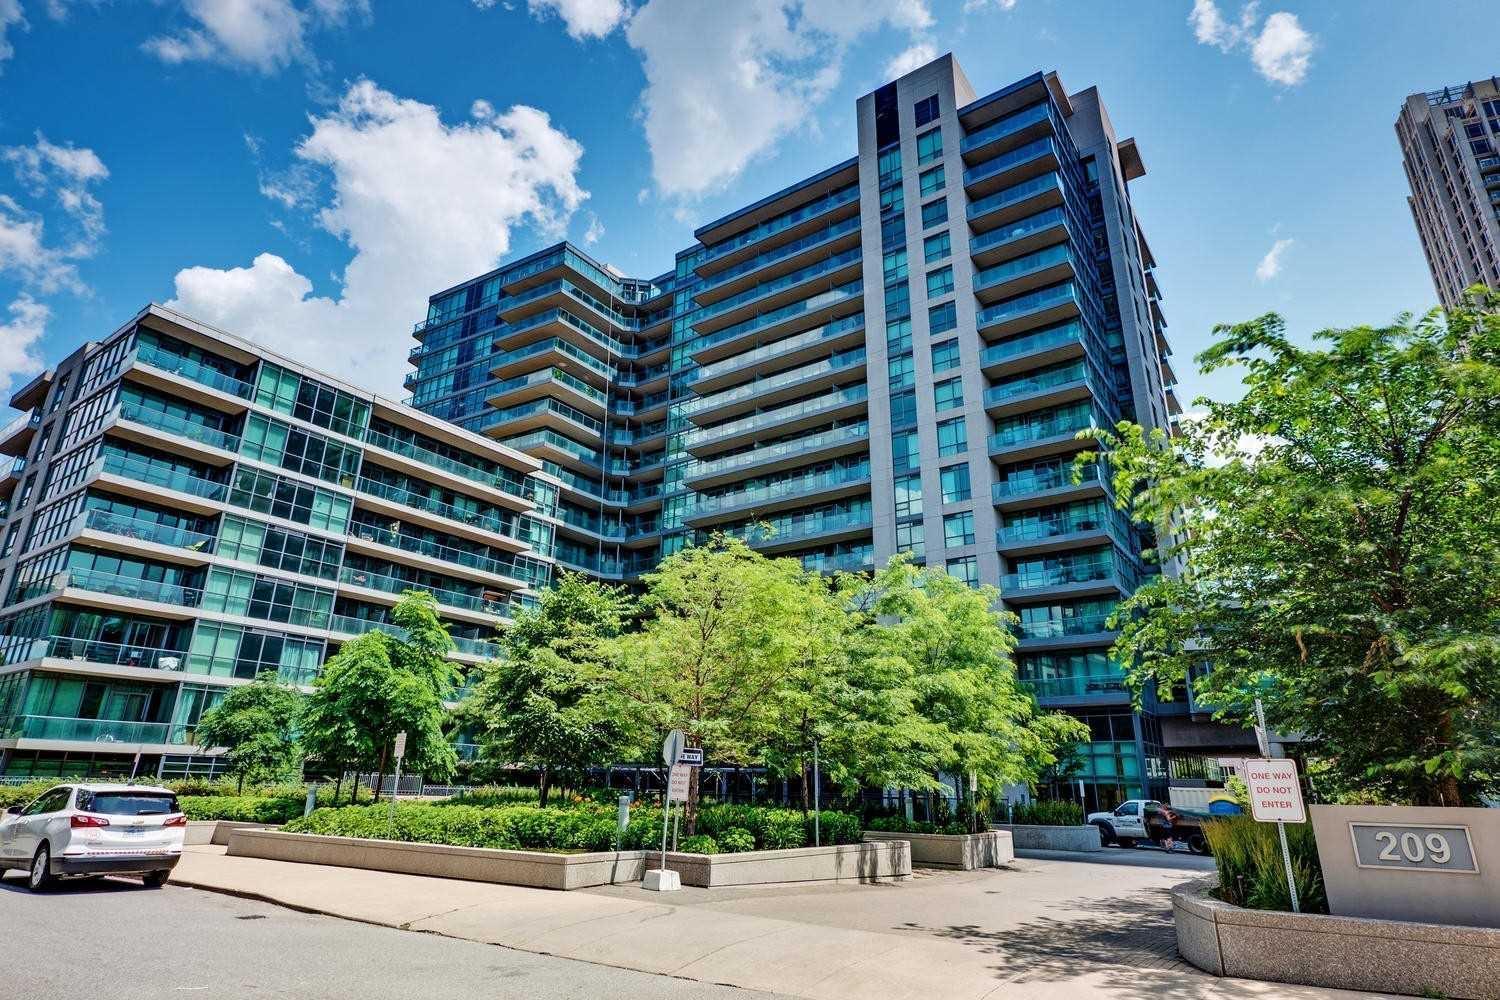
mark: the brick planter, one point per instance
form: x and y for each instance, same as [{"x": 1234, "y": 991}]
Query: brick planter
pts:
[
  {"x": 538, "y": 869},
  {"x": 964, "y": 852},
  {"x": 1347, "y": 953}
]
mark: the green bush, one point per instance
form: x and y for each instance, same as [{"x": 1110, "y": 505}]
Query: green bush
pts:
[
  {"x": 833, "y": 828},
  {"x": 699, "y": 844},
  {"x": 20, "y": 795},
  {"x": 783, "y": 829},
  {"x": 736, "y": 840},
  {"x": 1252, "y": 873},
  {"x": 513, "y": 827},
  {"x": 900, "y": 824},
  {"x": 243, "y": 808},
  {"x": 1047, "y": 813}
]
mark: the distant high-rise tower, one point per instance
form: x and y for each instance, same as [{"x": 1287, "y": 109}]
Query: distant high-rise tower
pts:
[{"x": 1450, "y": 146}]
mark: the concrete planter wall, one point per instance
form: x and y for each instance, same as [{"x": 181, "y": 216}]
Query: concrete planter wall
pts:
[
  {"x": 1348, "y": 953},
  {"x": 217, "y": 831},
  {"x": 538, "y": 869},
  {"x": 964, "y": 852},
  {"x": 1052, "y": 838},
  {"x": 880, "y": 862}
]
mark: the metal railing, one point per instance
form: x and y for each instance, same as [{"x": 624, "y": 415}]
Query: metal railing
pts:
[
  {"x": 144, "y": 530},
  {"x": 194, "y": 371}
]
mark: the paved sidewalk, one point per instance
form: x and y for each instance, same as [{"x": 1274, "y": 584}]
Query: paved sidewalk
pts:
[{"x": 1052, "y": 926}]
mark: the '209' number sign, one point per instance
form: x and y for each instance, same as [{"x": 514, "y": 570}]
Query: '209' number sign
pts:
[{"x": 1414, "y": 848}]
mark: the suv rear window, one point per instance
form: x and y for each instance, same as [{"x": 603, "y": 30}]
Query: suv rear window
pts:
[{"x": 128, "y": 803}]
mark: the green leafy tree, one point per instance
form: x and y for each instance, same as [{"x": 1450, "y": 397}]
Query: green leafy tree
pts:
[
  {"x": 379, "y": 685},
  {"x": 1338, "y": 529},
  {"x": 545, "y": 703},
  {"x": 718, "y": 640},
  {"x": 951, "y": 650},
  {"x": 257, "y": 724}
]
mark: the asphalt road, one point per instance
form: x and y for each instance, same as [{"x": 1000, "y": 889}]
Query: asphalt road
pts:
[{"x": 113, "y": 938}]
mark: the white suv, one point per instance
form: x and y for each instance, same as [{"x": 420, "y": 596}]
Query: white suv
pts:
[{"x": 94, "y": 830}]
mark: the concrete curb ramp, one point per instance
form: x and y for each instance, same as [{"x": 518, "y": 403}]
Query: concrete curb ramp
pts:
[
  {"x": 1351, "y": 953},
  {"x": 962, "y": 852}
]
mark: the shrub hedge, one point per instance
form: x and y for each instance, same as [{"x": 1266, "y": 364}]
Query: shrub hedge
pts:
[
  {"x": 900, "y": 824},
  {"x": 1252, "y": 874},
  {"x": 242, "y": 808},
  {"x": 1050, "y": 813}
]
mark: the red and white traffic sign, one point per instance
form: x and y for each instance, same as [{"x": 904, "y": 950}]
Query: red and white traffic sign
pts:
[
  {"x": 677, "y": 787},
  {"x": 1275, "y": 792}
]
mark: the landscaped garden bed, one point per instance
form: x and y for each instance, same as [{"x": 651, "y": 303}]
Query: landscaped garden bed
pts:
[{"x": 863, "y": 862}]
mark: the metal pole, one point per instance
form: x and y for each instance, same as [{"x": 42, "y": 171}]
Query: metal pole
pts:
[
  {"x": 817, "y": 799},
  {"x": 390, "y": 815},
  {"x": 1262, "y": 735},
  {"x": 676, "y": 824},
  {"x": 666, "y": 800}
]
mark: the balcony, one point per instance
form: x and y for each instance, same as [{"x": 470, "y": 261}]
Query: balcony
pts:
[
  {"x": 860, "y": 561},
  {"x": 505, "y": 481},
  {"x": 1087, "y": 686},
  {"x": 776, "y": 292},
  {"x": 175, "y": 426},
  {"x": 841, "y": 333},
  {"x": 766, "y": 458},
  {"x": 142, "y": 530},
  {"x": 826, "y": 526},
  {"x": 505, "y": 527},
  {"x": 1047, "y": 433},
  {"x": 16, "y": 438},
  {"x": 64, "y": 647},
  {"x": 1045, "y": 306},
  {"x": 1021, "y": 237},
  {"x": 835, "y": 237},
  {"x": 545, "y": 383},
  {"x": 51, "y": 727},
  {"x": 1031, "y": 489},
  {"x": 782, "y": 420},
  {"x": 1033, "y": 350},
  {"x": 831, "y": 484},
  {"x": 1013, "y": 129},
  {"x": 1067, "y": 384},
  {"x": 129, "y": 587},
  {"x": 151, "y": 474},
  {"x": 1046, "y": 266},
  {"x": 797, "y": 222},
  {"x": 1022, "y": 163},
  {"x": 453, "y": 599},
  {"x": 1080, "y": 577},
  {"x": 529, "y": 572},
  {"x": 514, "y": 362},
  {"x": 1048, "y": 629},
  {"x": 775, "y": 322},
  {"x": 1015, "y": 202},
  {"x": 193, "y": 371},
  {"x": 548, "y": 444},
  {"x": 354, "y": 627},
  {"x": 1038, "y": 537},
  {"x": 768, "y": 391}
]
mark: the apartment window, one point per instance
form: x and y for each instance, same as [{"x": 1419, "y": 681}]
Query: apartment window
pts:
[
  {"x": 909, "y": 494},
  {"x": 935, "y": 213},
  {"x": 948, "y": 395},
  {"x": 929, "y": 146},
  {"x": 937, "y": 248},
  {"x": 894, "y": 265},
  {"x": 898, "y": 336},
  {"x": 941, "y": 319},
  {"x": 909, "y": 538},
  {"x": 955, "y": 483},
  {"x": 889, "y": 163},
  {"x": 953, "y": 437},
  {"x": 933, "y": 180},
  {"x": 939, "y": 282},
  {"x": 926, "y": 110},
  {"x": 890, "y": 199},
  {"x": 965, "y": 568},
  {"x": 945, "y": 356},
  {"x": 898, "y": 301},
  {"x": 958, "y": 529},
  {"x": 893, "y": 232},
  {"x": 902, "y": 371},
  {"x": 904, "y": 408},
  {"x": 905, "y": 451}
]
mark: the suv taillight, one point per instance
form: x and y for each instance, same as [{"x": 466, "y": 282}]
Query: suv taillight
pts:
[
  {"x": 179, "y": 820},
  {"x": 77, "y": 821}
]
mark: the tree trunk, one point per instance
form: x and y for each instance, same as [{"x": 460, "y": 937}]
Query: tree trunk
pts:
[
  {"x": 380, "y": 777},
  {"x": 1447, "y": 791},
  {"x": 544, "y": 786},
  {"x": 240, "y": 789},
  {"x": 338, "y": 786},
  {"x": 690, "y": 817},
  {"x": 806, "y": 782}
]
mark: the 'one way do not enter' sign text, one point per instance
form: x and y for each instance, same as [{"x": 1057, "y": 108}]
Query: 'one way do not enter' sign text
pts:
[{"x": 1275, "y": 793}]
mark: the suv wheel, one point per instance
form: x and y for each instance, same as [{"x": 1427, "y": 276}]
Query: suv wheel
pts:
[
  {"x": 1198, "y": 844},
  {"x": 155, "y": 880},
  {"x": 40, "y": 875}
]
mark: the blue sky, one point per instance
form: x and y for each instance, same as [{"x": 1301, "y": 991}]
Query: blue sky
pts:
[{"x": 305, "y": 172}]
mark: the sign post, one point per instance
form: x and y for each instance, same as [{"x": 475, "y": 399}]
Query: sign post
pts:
[
  {"x": 660, "y": 879},
  {"x": 1276, "y": 797},
  {"x": 390, "y": 813}
]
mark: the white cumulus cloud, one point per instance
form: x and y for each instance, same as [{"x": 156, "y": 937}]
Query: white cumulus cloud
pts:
[
  {"x": 66, "y": 172},
  {"x": 11, "y": 16},
  {"x": 266, "y": 35},
  {"x": 1280, "y": 48},
  {"x": 1270, "y": 265},
  {"x": 724, "y": 83},
  {"x": 583, "y": 18},
  {"x": 422, "y": 204},
  {"x": 19, "y": 337},
  {"x": 912, "y": 58}
]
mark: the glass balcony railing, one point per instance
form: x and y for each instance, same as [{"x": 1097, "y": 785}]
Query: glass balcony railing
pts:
[
  {"x": 595, "y": 525},
  {"x": 807, "y": 338},
  {"x": 508, "y": 482},
  {"x": 1018, "y": 230},
  {"x": 348, "y": 625},
  {"x": 1067, "y": 422},
  {"x": 51, "y": 727},
  {"x": 1020, "y": 484},
  {"x": 177, "y": 426},
  {"x": 129, "y": 586},
  {"x": 452, "y": 598},
  {"x": 554, "y": 344},
  {"x": 507, "y": 525},
  {"x": 585, "y": 485},
  {"x": 785, "y": 221},
  {"x": 794, "y": 487},
  {"x": 774, "y": 285},
  {"x": 1076, "y": 687},
  {"x": 750, "y": 390},
  {"x": 1015, "y": 194},
  {"x": 1042, "y": 340},
  {"x": 195, "y": 371},
  {"x": 553, "y": 439},
  {"x": 1002, "y": 127},
  {"x": 1009, "y": 160},
  {"x": 822, "y": 300},
  {"x": 155, "y": 475},
  {"x": 144, "y": 530},
  {"x": 1032, "y": 302},
  {"x": 780, "y": 530},
  {"x": 858, "y": 561},
  {"x": 64, "y": 647},
  {"x": 1037, "y": 530},
  {"x": 1058, "y": 628},
  {"x": 1042, "y": 259},
  {"x": 532, "y": 572},
  {"x": 1064, "y": 573},
  {"x": 825, "y": 235},
  {"x": 772, "y": 452},
  {"x": 768, "y": 419},
  {"x": 1031, "y": 385}
]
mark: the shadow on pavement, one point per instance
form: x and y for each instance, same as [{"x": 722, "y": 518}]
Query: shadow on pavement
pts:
[
  {"x": 1134, "y": 933},
  {"x": 16, "y": 883}
]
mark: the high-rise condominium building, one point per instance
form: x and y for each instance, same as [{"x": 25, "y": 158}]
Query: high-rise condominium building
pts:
[
  {"x": 1450, "y": 147},
  {"x": 187, "y": 510},
  {"x": 893, "y": 355}
]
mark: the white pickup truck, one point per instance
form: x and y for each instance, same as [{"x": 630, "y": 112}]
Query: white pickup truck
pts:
[{"x": 1136, "y": 819}]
